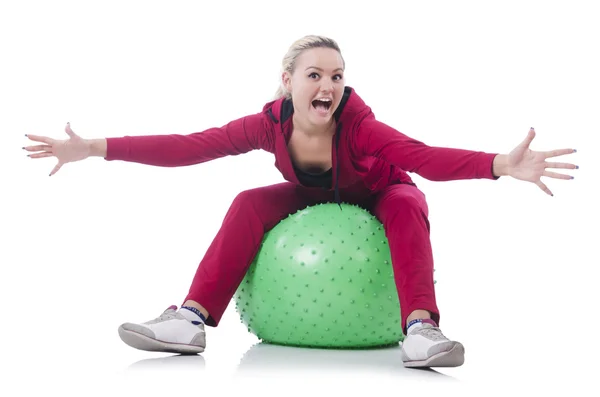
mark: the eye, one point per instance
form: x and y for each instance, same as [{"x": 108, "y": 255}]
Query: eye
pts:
[{"x": 337, "y": 77}]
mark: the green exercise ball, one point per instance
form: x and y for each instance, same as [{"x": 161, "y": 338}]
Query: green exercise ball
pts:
[{"x": 322, "y": 277}]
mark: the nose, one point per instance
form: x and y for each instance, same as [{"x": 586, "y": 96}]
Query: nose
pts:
[{"x": 327, "y": 86}]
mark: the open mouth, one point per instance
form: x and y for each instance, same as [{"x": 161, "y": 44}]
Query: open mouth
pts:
[{"x": 321, "y": 106}]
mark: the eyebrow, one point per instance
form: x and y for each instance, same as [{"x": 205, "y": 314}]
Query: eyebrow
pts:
[{"x": 314, "y": 67}]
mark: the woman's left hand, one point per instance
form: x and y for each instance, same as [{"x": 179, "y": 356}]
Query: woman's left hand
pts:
[{"x": 528, "y": 165}]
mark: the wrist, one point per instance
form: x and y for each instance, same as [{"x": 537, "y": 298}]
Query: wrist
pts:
[
  {"x": 97, "y": 147},
  {"x": 500, "y": 165}
]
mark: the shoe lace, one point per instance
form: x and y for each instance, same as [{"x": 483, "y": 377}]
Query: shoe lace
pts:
[
  {"x": 433, "y": 333},
  {"x": 166, "y": 316}
]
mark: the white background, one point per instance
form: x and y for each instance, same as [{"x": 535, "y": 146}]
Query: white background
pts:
[{"x": 101, "y": 243}]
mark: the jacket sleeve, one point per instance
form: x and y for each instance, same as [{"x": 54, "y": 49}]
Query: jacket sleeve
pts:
[
  {"x": 376, "y": 139},
  {"x": 174, "y": 150}
]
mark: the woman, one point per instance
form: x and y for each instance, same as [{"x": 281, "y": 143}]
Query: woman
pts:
[{"x": 329, "y": 147}]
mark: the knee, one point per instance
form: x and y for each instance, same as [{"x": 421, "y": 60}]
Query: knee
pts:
[
  {"x": 402, "y": 207},
  {"x": 245, "y": 198},
  {"x": 259, "y": 200},
  {"x": 407, "y": 201},
  {"x": 402, "y": 203}
]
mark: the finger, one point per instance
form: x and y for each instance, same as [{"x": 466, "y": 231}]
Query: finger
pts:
[
  {"x": 39, "y": 138},
  {"x": 559, "y": 152},
  {"x": 561, "y": 165},
  {"x": 56, "y": 168},
  {"x": 40, "y": 155},
  {"x": 38, "y": 148},
  {"x": 556, "y": 175},
  {"x": 69, "y": 131},
  {"x": 529, "y": 138},
  {"x": 542, "y": 186}
]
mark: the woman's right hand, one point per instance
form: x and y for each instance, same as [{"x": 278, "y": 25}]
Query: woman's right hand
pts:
[{"x": 66, "y": 151}]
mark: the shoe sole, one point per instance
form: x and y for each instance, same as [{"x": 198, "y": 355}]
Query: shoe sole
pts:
[
  {"x": 454, "y": 357},
  {"x": 142, "y": 342}
]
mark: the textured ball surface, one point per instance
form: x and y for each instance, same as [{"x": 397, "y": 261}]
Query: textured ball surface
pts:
[{"x": 323, "y": 277}]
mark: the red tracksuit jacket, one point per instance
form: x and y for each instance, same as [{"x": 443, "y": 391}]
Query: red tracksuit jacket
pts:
[{"x": 367, "y": 154}]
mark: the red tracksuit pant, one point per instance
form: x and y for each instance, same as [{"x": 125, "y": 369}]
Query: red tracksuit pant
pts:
[{"x": 401, "y": 209}]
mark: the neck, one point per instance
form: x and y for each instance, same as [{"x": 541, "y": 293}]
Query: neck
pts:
[{"x": 312, "y": 130}]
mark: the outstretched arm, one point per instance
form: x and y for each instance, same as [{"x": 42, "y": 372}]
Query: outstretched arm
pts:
[
  {"x": 239, "y": 136},
  {"x": 377, "y": 139},
  {"x": 174, "y": 150}
]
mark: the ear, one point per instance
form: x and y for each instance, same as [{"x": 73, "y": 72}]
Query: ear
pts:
[{"x": 286, "y": 79}]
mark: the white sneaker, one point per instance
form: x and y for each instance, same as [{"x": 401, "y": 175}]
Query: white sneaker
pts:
[
  {"x": 170, "y": 333},
  {"x": 426, "y": 346}
]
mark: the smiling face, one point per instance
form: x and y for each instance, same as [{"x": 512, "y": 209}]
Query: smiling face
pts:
[{"x": 316, "y": 85}]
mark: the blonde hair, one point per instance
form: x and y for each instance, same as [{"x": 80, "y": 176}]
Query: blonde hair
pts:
[{"x": 289, "y": 60}]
